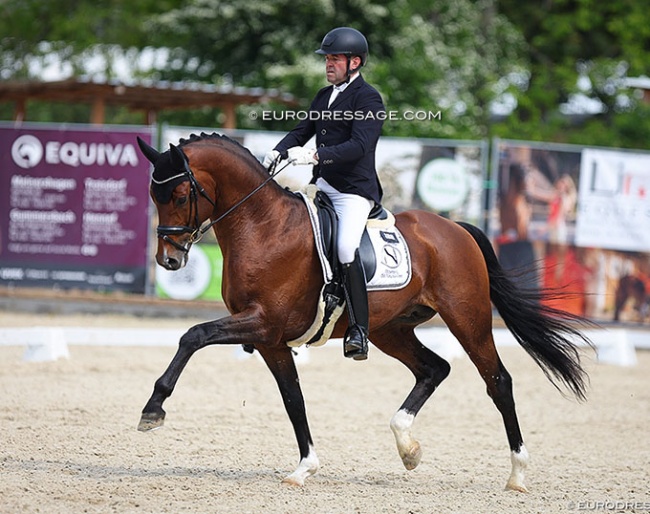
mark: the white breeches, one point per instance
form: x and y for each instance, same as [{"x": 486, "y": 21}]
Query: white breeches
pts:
[{"x": 352, "y": 211}]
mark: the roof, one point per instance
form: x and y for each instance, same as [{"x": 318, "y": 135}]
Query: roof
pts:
[
  {"x": 641, "y": 82},
  {"x": 145, "y": 95}
]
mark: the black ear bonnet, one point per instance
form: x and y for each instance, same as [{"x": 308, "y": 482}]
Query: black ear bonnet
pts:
[
  {"x": 170, "y": 169},
  {"x": 165, "y": 179}
]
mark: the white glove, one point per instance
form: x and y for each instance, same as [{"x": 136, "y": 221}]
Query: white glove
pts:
[
  {"x": 302, "y": 155},
  {"x": 270, "y": 158}
]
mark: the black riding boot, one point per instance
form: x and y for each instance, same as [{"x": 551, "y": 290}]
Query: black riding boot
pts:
[{"x": 355, "y": 342}]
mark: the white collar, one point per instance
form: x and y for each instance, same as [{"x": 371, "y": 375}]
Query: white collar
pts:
[{"x": 342, "y": 87}]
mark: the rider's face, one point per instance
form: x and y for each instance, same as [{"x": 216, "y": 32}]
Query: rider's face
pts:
[{"x": 336, "y": 67}]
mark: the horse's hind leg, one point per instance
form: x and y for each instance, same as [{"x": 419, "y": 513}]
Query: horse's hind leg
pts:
[
  {"x": 499, "y": 387},
  {"x": 429, "y": 370},
  {"x": 479, "y": 345}
]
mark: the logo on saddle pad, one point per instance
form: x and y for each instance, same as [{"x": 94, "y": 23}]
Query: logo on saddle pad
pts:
[{"x": 393, "y": 263}]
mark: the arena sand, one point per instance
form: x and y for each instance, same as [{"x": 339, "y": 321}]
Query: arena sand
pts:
[{"x": 69, "y": 443}]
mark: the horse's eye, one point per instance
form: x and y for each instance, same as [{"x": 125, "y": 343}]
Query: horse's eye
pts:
[{"x": 181, "y": 201}]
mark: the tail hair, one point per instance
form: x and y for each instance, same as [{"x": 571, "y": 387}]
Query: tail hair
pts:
[{"x": 549, "y": 335}]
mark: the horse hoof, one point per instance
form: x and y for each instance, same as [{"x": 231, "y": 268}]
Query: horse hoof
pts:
[
  {"x": 512, "y": 486},
  {"x": 293, "y": 481},
  {"x": 411, "y": 459},
  {"x": 150, "y": 421}
]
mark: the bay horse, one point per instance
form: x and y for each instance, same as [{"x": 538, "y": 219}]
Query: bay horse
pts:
[{"x": 272, "y": 279}]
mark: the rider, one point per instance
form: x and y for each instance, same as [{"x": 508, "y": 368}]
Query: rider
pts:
[{"x": 346, "y": 119}]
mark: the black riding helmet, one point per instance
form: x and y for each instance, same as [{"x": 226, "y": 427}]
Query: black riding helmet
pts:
[{"x": 346, "y": 41}]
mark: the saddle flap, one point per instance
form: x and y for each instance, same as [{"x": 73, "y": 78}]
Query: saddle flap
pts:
[{"x": 328, "y": 225}]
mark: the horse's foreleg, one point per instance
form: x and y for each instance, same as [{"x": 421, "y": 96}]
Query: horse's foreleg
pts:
[
  {"x": 237, "y": 329},
  {"x": 153, "y": 415},
  {"x": 429, "y": 370},
  {"x": 280, "y": 362}
]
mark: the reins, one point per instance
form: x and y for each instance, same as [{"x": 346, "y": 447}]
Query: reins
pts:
[
  {"x": 196, "y": 234},
  {"x": 272, "y": 174}
]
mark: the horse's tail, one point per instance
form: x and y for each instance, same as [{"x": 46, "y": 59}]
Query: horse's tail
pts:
[{"x": 547, "y": 334}]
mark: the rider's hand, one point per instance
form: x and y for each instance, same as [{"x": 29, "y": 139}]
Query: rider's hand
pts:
[
  {"x": 301, "y": 155},
  {"x": 270, "y": 158}
]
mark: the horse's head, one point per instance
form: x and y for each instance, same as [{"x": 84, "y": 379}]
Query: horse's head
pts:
[{"x": 181, "y": 202}]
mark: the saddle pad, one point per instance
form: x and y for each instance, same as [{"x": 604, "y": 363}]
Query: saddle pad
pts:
[
  {"x": 328, "y": 275},
  {"x": 391, "y": 251}
]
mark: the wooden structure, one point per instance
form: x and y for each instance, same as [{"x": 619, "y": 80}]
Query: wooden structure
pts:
[
  {"x": 641, "y": 83},
  {"x": 146, "y": 96}
]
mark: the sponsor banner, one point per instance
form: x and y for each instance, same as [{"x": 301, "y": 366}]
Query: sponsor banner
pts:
[
  {"x": 442, "y": 176},
  {"x": 577, "y": 219},
  {"x": 200, "y": 279},
  {"x": 450, "y": 180},
  {"x": 73, "y": 208},
  {"x": 614, "y": 200}
]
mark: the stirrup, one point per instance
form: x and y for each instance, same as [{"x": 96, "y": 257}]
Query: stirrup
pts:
[{"x": 355, "y": 348}]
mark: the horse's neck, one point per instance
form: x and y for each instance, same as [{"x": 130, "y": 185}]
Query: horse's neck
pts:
[
  {"x": 268, "y": 227},
  {"x": 254, "y": 210}
]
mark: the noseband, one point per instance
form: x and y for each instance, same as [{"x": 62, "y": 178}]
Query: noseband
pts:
[{"x": 196, "y": 232}]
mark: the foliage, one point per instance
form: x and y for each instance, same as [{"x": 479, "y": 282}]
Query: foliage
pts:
[
  {"x": 69, "y": 31},
  {"x": 580, "y": 49},
  {"x": 460, "y": 58},
  {"x": 423, "y": 57}
]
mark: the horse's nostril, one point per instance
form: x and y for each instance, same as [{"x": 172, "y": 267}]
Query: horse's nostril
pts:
[{"x": 172, "y": 263}]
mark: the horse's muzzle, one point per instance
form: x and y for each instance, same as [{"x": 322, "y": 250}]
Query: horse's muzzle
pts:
[
  {"x": 171, "y": 261},
  {"x": 172, "y": 255}
]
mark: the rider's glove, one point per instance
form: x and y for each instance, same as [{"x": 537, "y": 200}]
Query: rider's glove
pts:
[
  {"x": 270, "y": 158},
  {"x": 301, "y": 155}
]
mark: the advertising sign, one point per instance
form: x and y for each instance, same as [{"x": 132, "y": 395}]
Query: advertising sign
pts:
[
  {"x": 614, "y": 200},
  {"x": 577, "y": 219},
  {"x": 200, "y": 279},
  {"x": 73, "y": 208}
]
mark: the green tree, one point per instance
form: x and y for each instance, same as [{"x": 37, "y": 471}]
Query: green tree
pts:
[
  {"x": 445, "y": 57},
  {"x": 64, "y": 36},
  {"x": 580, "y": 47},
  {"x": 456, "y": 57},
  {"x": 68, "y": 31}
]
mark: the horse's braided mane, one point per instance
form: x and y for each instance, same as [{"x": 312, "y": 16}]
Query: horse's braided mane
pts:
[{"x": 224, "y": 141}]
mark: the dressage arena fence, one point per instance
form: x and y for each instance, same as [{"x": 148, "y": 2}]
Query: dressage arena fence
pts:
[{"x": 615, "y": 346}]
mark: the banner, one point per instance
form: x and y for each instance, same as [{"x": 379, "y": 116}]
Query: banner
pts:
[
  {"x": 577, "y": 219},
  {"x": 200, "y": 279},
  {"x": 73, "y": 208},
  {"x": 614, "y": 200},
  {"x": 442, "y": 176}
]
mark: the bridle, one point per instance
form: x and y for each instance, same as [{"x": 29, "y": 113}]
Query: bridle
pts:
[
  {"x": 196, "y": 231},
  {"x": 196, "y": 189}
]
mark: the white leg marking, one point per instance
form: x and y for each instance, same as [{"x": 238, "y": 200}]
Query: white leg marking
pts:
[
  {"x": 307, "y": 467},
  {"x": 519, "y": 464},
  {"x": 408, "y": 448}
]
